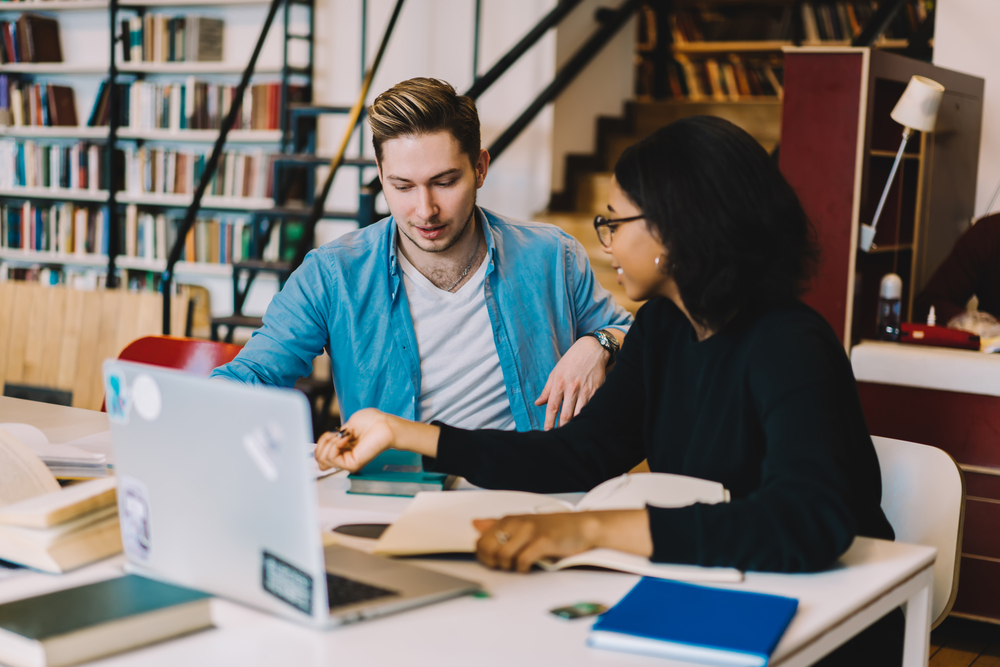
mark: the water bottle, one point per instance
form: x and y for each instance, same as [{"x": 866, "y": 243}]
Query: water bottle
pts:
[{"x": 889, "y": 294}]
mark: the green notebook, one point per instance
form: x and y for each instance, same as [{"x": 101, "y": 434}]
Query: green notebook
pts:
[
  {"x": 79, "y": 624},
  {"x": 398, "y": 473}
]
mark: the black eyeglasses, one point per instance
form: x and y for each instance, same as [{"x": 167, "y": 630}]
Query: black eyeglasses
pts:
[{"x": 604, "y": 230}]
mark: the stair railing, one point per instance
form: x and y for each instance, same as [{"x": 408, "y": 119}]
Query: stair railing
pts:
[
  {"x": 167, "y": 276},
  {"x": 305, "y": 243}
]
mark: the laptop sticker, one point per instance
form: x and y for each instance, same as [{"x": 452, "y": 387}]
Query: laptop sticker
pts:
[
  {"x": 262, "y": 444},
  {"x": 146, "y": 398},
  {"x": 117, "y": 397},
  {"x": 287, "y": 583},
  {"x": 133, "y": 508}
]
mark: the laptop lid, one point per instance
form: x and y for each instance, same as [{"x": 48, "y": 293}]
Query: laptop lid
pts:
[{"x": 216, "y": 490}]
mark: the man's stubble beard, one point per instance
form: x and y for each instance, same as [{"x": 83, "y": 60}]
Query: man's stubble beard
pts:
[{"x": 458, "y": 237}]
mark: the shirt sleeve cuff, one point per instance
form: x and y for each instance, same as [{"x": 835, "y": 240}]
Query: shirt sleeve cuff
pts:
[
  {"x": 453, "y": 457},
  {"x": 675, "y": 534}
]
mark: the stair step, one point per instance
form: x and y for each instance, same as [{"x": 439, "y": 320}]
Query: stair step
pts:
[
  {"x": 238, "y": 321},
  {"x": 303, "y": 212},
  {"x": 309, "y": 160},
  {"x": 263, "y": 265},
  {"x": 592, "y": 192}
]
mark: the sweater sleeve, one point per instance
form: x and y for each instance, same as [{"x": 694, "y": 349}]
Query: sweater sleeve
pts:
[
  {"x": 801, "y": 517},
  {"x": 603, "y": 441}
]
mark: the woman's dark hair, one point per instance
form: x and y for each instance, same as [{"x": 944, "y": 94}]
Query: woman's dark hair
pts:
[{"x": 734, "y": 229}]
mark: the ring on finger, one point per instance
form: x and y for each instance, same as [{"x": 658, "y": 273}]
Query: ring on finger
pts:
[{"x": 502, "y": 537}]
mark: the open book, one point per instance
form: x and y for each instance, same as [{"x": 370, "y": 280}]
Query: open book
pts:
[
  {"x": 49, "y": 527},
  {"x": 85, "y": 458},
  {"x": 442, "y": 522}
]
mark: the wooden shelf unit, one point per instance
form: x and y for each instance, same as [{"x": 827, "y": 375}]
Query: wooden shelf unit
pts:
[{"x": 838, "y": 144}]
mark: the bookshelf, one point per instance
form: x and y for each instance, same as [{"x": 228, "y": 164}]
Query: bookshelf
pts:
[
  {"x": 838, "y": 144},
  {"x": 285, "y": 62},
  {"x": 731, "y": 50}
]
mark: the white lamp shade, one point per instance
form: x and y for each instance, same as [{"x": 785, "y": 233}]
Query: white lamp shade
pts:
[{"x": 918, "y": 107}]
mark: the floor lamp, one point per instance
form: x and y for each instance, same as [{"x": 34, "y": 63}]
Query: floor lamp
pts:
[{"x": 916, "y": 110}]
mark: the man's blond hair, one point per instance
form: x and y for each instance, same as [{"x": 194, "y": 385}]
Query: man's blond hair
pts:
[{"x": 424, "y": 106}]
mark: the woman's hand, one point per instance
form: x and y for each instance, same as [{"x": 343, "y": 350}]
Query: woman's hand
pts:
[
  {"x": 370, "y": 432},
  {"x": 518, "y": 542},
  {"x": 366, "y": 434}
]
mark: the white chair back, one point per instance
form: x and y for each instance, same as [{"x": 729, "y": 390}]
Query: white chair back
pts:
[{"x": 923, "y": 496}]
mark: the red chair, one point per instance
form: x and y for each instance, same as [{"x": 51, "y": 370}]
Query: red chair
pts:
[{"x": 193, "y": 355}]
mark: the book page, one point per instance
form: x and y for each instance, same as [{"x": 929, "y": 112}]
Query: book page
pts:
[
  {"x": 612, "y": 559},
  {"x": 22, "y": 474},
  {"x": 64, "y": 453},
  {"x": 659, "y": 489},
  {"x": 68, "y": 503},
  {"x": 441, "y": 521}
]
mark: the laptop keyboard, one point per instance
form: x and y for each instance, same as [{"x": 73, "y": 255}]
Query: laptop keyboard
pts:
[{"x": 342, "y": 591}]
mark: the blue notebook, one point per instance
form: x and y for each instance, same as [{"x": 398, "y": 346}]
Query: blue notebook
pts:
[
  {"x": 397, "y": 473},
  {"x": 695, "y": 623}
]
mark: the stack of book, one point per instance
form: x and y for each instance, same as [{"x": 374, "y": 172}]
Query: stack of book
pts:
[
  {"x": 157, "y": 38},
  {"x": 38, "y": 104},
  {"x": 63, "y": 228},
  {"x": 737, "y": 23},
  {"x": 73, "y": 166},
  {"x": 169, "y": 171},
  {"x": 30, "y": 39},
  {"x": 48, "y": 527}
]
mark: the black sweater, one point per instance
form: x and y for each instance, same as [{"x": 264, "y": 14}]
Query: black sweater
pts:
[{"x": 767, "y": 406}]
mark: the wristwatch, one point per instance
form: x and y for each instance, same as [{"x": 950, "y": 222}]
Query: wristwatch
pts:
[{"x": 608, "y": 342}]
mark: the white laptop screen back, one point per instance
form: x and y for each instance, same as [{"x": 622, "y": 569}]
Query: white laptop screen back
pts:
[{"x": 216, "y": 488}]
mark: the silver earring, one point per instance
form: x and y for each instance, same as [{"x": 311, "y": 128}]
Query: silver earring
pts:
[{"x": 657, "y": 261}]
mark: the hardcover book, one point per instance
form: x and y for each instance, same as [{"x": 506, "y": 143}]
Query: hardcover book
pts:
[
  {"x": 79, "y": 624},
  {"x": 713, "y": 626}
]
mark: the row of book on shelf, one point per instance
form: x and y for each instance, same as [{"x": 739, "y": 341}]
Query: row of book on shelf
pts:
[
  {"x": 142, "y": 170},
  {"x": 70, "y": 229},
  {"x": 36, "y": 104},
  {"x": 73, "y": 166},
  {"x": 31, "y": 38},
  {"x": 158, "y": 38},
  {"x": 731, "y": 78},
  {"x": 192, "y": 105},
  {"x": 822, "y": 20}
]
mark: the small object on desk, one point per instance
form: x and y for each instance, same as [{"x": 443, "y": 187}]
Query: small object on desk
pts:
[
  {"x": 398, "y": 473},
  {"x": 579, "y": 610},
  {"x": 79, "y": 624},
  {"x": 922, "y": 334},
  {"x": 889, "y": 308},
  {"x": 694, "y": 623},
  {"x": 371, "y": 531}
]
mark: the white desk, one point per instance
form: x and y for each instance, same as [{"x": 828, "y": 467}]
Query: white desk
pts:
[{"x": 514, "y": 626}]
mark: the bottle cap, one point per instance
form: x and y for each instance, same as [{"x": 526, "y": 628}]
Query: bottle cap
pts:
[{"x": 892, "y": 286}]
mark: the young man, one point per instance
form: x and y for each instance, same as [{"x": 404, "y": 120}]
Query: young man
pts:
[{"x": 443, "y": 311}]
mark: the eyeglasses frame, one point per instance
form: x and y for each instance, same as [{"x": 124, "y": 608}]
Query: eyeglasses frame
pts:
[{"x": 601, "y": 221}]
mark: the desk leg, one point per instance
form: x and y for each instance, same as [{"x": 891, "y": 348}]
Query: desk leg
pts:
[{"x": 916, "y": 643}]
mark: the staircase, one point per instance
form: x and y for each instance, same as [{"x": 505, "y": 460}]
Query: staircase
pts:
[{"x": 588, "y": 177}]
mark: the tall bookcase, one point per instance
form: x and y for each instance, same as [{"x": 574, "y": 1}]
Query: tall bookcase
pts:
[
  {"x": 86, "y": 34},
  {"x": 838, "y": 144}
]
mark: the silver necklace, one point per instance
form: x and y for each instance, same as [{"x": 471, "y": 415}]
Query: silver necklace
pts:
[{"x": 467, "y": 266}]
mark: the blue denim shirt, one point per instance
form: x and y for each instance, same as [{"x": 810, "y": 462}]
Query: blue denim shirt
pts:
[{"x": 348, "y": 297}]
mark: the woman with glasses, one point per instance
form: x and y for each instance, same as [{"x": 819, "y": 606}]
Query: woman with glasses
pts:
[{"x": 725, "y": 375}]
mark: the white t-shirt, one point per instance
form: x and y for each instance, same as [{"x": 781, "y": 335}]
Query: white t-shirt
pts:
[{"x": 461, "y": 382}]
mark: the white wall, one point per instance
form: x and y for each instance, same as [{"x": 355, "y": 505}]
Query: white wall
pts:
[
  {"x": 600, "y": 90},
  {"x": 965, "y": 40}
]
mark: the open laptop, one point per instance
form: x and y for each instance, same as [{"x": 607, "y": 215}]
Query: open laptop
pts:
[{"x": 216, "y": 491}]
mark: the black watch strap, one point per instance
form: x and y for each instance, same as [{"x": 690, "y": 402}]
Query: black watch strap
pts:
[{"x": 608, "y": 342}]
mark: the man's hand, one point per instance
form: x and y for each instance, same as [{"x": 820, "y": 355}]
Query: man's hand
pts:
[
  {"x": 365, "y": 435},
  {"x": 573, "y": 381}
]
